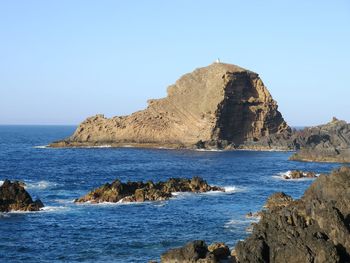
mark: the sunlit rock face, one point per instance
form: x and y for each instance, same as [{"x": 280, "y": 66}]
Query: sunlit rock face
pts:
[{"x": 219, "y": 105}]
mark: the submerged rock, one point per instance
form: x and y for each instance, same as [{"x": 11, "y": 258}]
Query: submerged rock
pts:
[
  {"x": 149, "y": 191},
  {"x": 13, "y": 197},
  {"x": 314, "y": 228},
  {"x": 198, "y": 251},
  {"x": 218, "y": 106},
  {"x": 324, "y": 143}
]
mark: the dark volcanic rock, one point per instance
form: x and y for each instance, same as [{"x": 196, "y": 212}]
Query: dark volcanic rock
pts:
[
  {"x": 324, "y": 143},
  {"x": 315, "y": 228},
  {"x": 198, "y": 252},
  {"x": 140, "y": 191},
  {"x": 13, "y": 197},
  {"x": 218, "y": 106}
]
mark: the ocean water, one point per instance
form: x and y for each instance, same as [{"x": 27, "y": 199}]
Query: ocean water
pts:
[{"x": 68, "y": 232}]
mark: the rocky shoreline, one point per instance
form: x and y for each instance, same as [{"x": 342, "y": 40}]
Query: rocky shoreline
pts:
[
  {"x": 314, "y": 228},
  {"x": 149, "y": 191}
]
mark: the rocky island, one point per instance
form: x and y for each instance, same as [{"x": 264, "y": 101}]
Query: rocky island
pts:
[
  {"x": 149, "y": 191},
  {"x": 218, "y": 106},
  {"x": 314, "y": 228},
  {"x": 13, "y": 197}
]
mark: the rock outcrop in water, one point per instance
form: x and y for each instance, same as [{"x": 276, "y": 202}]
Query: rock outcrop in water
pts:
[
  {"x": 315, "y": 228},
  {"x": 324, "y": 143},
  {"x": 140, "y": 191},
  {"x": 297, "y": 174},
  {"x": 217, "y": 106},
  {"x": 13, "y": 197}
]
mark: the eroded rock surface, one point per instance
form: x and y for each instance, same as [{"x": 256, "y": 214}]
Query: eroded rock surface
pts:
[
  {"x": 314, "y": 228},
  {"x": 324, "y": 143},
  {"x": 13, "y": 197},
  {"x": 218, "y": 106},
  {"x": 149, "y": 191}
]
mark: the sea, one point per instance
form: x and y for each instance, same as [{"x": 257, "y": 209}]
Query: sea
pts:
[{"x": 138, "y": 232}]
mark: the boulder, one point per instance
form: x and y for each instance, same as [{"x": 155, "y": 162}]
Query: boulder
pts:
[
  {"x": 13, "y": 197},
  {"x": 218, "y": 106},
  {"x": 219, "y": 250},
  {"x": 198, "y": 252},
  {"x": 140, "y": 191}
]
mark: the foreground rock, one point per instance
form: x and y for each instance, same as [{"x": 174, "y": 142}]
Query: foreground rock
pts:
[
  {"x": 13, "y": 197},
  {"x": 324, "y": 143},
  {"x": 218, "y": 106},
  {"x": 140, "y": 191},
  {"x": 297, "y": 174},
  {"x": 312, "y": 229},
  {"x": 198, "y": 251}
]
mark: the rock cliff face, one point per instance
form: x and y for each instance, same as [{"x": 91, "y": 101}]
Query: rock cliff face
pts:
[
  {"x": 324, "y": 143},
  {"x": 214, "y": 106}
]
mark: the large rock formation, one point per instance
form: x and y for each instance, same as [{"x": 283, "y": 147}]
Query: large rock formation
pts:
[
  {"x": 324, "y": 143},
  {"x": 140, "y": 192},
  {"x": 214, "y": 106},
  {"x": 315, "y": 228},
  {"x": 13, "y": 197}
]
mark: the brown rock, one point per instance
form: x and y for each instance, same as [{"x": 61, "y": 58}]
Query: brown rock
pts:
[
  {"x": 217, "y": 106},
  {"x": 219, "y": 250},
  {"x": 278, "y": 200},
  {"x": 140, "y": 192},
  {"x": 13, "y": 197},
  {"x": 297, "y": 174}
]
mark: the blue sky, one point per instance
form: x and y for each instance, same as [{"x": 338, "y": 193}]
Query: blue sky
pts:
[{"x": 62, "y": 61}]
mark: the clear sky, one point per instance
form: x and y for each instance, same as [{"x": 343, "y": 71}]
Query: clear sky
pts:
[{"x": 62, "y": 61}]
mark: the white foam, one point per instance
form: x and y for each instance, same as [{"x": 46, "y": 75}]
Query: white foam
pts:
[
  {"x": 234, "y": 189},
  {"x": 208, "y": 150},
  {"x": 1, "y": 182},
  {"x": 228, "y": 190},
  {"x": 98, "y": 146},
  {"x": 41, "y": 146},
  {"x": 53, "y": 208},
  {"x": 40, "y": 185}
]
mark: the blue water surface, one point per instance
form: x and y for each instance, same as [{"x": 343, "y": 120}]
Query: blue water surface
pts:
[{"x": 68, "y": 232}]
